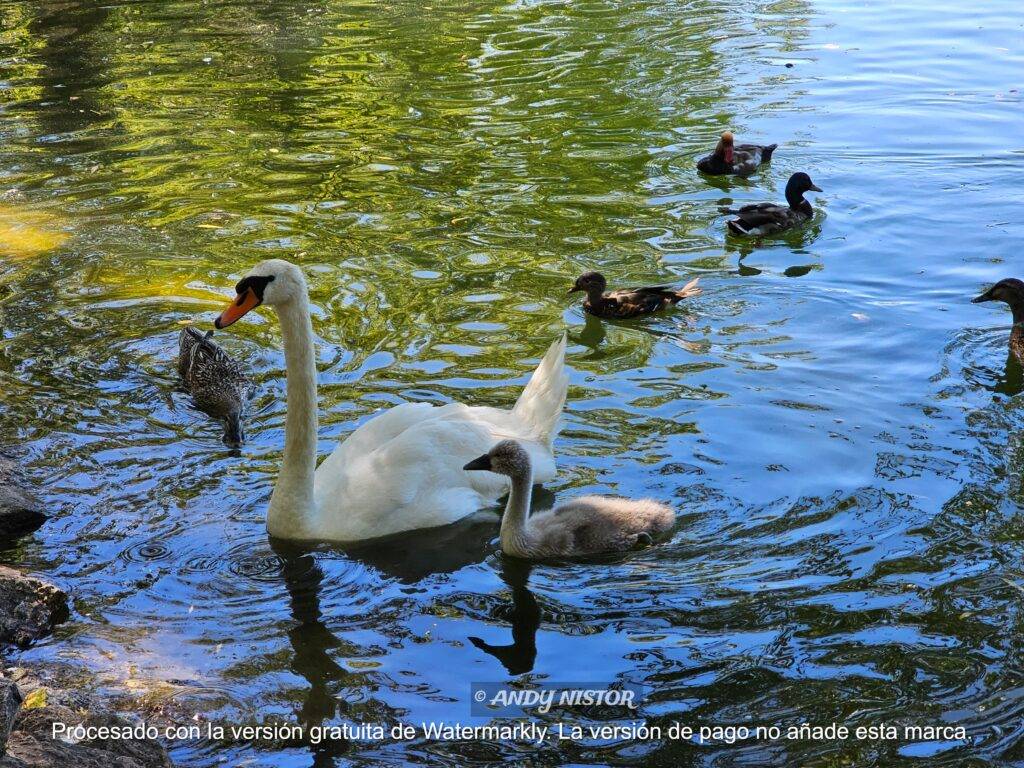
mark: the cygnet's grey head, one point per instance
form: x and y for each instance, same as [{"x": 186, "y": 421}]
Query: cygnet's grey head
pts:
[{"x": 506, "y": 458}]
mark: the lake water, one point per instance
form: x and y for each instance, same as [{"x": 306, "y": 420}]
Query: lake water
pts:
[{"x": 835, "y": 422}]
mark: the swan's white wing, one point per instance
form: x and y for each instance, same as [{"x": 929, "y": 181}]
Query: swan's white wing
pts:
[
  {"x": 507, "y": 425},
  {"x": 402, "y": 469},
  {"x": 413, "y": 480},
  {"x": 375, "y": 432},
  {"x": 406, "y": 472}
]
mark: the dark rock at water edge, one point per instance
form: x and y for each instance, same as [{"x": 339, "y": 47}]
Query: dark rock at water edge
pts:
[
  {"x": 20, "y": 511},
  {"x": 30, "y": 743},
  {"x": 29, "y": 607},
  {"x": 10, "y": 703}
]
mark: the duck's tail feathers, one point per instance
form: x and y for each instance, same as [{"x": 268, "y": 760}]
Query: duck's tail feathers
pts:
[
  {"x": 689, "y": 290},
  {"x": 735, "y": 225},
  {"x": 541, "y": 402},
  {"x": 766, "y": 153}
]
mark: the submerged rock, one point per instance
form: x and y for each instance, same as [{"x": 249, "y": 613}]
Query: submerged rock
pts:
[
  {"x": 29, "y": 607},
  {"x": 20, "y": 511}
]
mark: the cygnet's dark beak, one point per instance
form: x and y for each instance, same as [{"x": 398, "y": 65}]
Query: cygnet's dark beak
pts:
[
  {"x": 480, "y": 462},
  {"x": 986, "y": 296},
  {"x": 815, "y": 188}
]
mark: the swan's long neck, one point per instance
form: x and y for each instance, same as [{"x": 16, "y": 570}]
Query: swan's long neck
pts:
[
  {"x": 514, "y": 539},
  {"x": 292, "y": 512}
]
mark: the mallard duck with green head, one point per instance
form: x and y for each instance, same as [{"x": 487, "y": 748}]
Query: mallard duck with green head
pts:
[{"x": 768, "y": 218}]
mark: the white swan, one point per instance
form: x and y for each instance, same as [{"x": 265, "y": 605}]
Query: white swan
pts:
[{"x": 403, "y": 469}]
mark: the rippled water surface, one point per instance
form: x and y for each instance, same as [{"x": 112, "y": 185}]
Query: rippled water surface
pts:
[{"x": 835, "y": 422}]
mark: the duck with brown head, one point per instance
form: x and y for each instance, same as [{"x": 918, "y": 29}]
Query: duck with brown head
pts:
[
  {"x": 1010, "y": 291},
  {"x": 737, "y": 160},
  {"x": 628, "y": 302}
]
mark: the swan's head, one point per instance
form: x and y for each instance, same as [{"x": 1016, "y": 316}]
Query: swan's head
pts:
[
  {"x": 273, "y": 282},
  {"x": 506, "y": 458}
]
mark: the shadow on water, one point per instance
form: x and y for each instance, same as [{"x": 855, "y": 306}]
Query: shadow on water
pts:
[
  {"x": 630, "y": 343},
  {"x": 797, "y": 241},
  {"x": 411, "y": 557}
]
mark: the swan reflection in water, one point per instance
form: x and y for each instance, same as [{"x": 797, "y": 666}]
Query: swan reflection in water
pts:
[
  {"x": 524, "y": 616},
  {"x": 407, "y": 557}
]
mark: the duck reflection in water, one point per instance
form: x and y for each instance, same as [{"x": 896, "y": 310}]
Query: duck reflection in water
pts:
[
  {"x": 519, "y": 656},
  {"x": 631, "y": 342},
  {"x": 1011, "y": 382}
]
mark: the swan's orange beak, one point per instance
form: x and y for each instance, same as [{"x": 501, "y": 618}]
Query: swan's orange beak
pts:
[{"x": 243, "y": 303}]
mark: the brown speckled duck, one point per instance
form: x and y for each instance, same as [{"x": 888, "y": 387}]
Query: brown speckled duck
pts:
[
  {"x": 1009, "y": 291},
  {"x": 729, "y": 159},
  {"x": 628, "y": 302},
  {"x": 769, "y": 218},
  {"x": 217, "y": 382}
]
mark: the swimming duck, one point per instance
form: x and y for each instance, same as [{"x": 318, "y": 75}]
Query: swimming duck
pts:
[
  {"x": 1009, "y": 291},
  {"x": 589, "y": 525},
  {"x": 769, "y": 218},
  {"x": 217, "y": 382},
  {"x": 739, "y": 161},
  {"x": 628, "y": 302},
  {"x": 402, "y": 469}
]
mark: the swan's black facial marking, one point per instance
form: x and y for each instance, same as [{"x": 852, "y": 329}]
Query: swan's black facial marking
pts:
[
  {"x": 250, "y": 295},
  {"x": 257, "y": 283}
]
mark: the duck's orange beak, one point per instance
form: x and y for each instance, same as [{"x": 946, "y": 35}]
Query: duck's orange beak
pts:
[{"x": 243, "y": 303}]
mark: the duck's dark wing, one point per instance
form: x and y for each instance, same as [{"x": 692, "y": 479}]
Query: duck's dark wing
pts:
[
  {"x": 764, "y": 150},
  {"x": 754, "y": 208},
  {"x": 763, "y": 219},
  {"x": 632, "y": 302},
  {"x": 762, "y": 213},
  {"x": 746, "y": 159},
  {"x": 188, "y": 340},
  {"x": 713, "y": 165}
]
